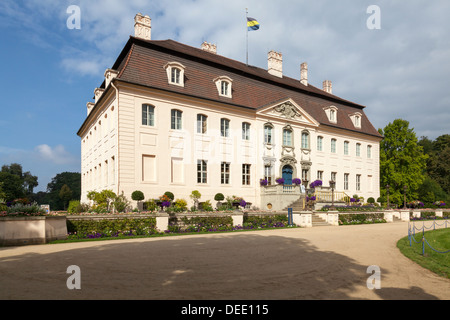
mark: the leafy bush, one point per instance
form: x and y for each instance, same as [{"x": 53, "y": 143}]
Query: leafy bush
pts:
[
  {"x": 371, "y": 200},
  {"x": 180, "y": 204},
  {"x": 91, "y": 228},
  {"x": 170, "y": 195},
  {"x": 362, "y": 218},
  {"x": 219, "y": 197},
  {"x": 137, "y": 195},
  {"x": 76, "y": 207},
  {"x": 151, "y": 205},
  {"x": 23, "y": 210}
]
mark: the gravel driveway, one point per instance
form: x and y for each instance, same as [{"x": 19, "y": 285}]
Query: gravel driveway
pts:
[{"x": 289, "y": 264}]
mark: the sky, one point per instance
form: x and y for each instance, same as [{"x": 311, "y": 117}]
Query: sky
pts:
[{"x": 394, "y": 60}]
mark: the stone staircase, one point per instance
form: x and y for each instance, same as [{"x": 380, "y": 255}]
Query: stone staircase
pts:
[{"x": 298, "y": 206}]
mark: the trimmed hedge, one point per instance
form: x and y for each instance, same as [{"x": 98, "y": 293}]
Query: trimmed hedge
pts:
[
  {"x": 361, "y": 218},
  {"x": 91, "y": 228}
]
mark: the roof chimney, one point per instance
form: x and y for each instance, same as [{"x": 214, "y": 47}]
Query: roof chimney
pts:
[
  {"x": 142, "y": 27},
  {"x": 275, "y": 63},
  {"x": 209, "y": 47},
  {"x": 327, "y": 86},
  {"x": 304, "y": 73}
]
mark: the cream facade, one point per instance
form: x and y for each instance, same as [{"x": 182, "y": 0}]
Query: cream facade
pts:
[{"x": 142, "y": 137}]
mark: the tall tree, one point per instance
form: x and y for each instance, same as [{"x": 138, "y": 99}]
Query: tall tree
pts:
[
  {"x": 16, "y": 183},
  {"x": 65, "y": 194},
  {"x": 72, "y": 180},
  {"x": 402, "y": 161}
]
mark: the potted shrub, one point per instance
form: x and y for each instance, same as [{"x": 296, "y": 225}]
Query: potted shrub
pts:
[
  {"x": 263, "y": 182},
  {"x": 219, "y": 197},
  {"x": 296, "y": 181},
  {"x": 280, "y": 181}
]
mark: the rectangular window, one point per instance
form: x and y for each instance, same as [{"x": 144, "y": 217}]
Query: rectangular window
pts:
[
  {"x": 333, "y": 176},
  {"x": 202, "y": 172},
  {"x": 358, "y": 182},
  {"x": 304, "y": 174},
  {"x": 224, "y": 88},
  {"x": 370, "y": 183},
  {"x": 369, "y": 152},
  {"x": 175, "y": 75},
  {"x": 358, "y": 149},
  {"x": 268, "y": 134},
  {"x": 346, "y": 175},
  {"x": 333, "y": 145},
  {"x": 113, "y": 171},
  {"x": 176, "y": 117},
  {"x": 245, "y": 131},
  {"x": 320, "y": 175},
  {"x": 201, "y": 123},
  {"x": 225, "y": 173},
  {"x": 287, "y": 137},
  {"x": 246, "y": 174},
  {"x": 148, "y": 115},
  {"x": 346, "y": 143},
  {"x": 305, "y": 140},
  {"x": 319, "y": 143},
  {"x": 224, "y": 127},
  {"x": 268, "y": 174}
]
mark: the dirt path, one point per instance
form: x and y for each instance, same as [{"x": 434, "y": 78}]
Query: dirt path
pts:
[{"x": 301, "y": 263}]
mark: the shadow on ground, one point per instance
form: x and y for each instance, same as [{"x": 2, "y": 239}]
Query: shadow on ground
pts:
[{"x": 238, "y": 267}]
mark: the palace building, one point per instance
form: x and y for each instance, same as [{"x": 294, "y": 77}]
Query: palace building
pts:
[{"x": 171, "y": 117}]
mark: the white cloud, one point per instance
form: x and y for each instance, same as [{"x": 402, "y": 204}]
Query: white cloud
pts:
[{"x": 56, "y": 155}]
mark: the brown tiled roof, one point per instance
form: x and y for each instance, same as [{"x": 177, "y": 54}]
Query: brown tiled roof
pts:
[{"x": 142, "y": 62}]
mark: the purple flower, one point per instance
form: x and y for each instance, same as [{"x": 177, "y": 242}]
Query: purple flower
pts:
[
  {"x": 296, "y": 181},
  {"x": 243, "y": 203},
  {"x": 352, "y": 200},
  {"x": 263, "y": 182},
  {"x": 165, "y": 204},
  {"x": 315, "y": 184},
  {"x": 280, "y": 181}
]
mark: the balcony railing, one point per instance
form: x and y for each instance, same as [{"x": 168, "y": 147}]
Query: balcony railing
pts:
[
  {"x": 281, "y": 189},
  {"x": 326, "y": 196}
]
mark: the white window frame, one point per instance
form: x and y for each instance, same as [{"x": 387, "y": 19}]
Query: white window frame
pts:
[
  {"x": 148, "y": 114},
  {"x": 356, "y": 119},
  {"x": 333, "y": 145},
  {"x": 319, "y": 143},
  {"x": 176, "y": 119},
  {"x": 246, "y": 131},
  {"x": 224, "y": 86},
  {"x": 225, "y": 173},
  {"x": 224, "y": 127},
  {"x": 202, "y": 171},
  {"x": 287, "y": 137},
  {"x": 268, "y": 133},
  {"x": 202, "y": 123},
  {"x": 246, "y": 170},
  {"x": 171, "y": 68},
  {"x": 346, "y": 148},
  {"x": 306, "y": 140}
]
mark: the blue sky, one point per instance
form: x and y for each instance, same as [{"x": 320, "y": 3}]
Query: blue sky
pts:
[{"x": 49, "y": 72}]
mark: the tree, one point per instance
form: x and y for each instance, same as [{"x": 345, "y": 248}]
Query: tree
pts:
[
  {"x": 17, "y": 184},
  {"x": 72, "y": 180},
  {"x": 65, "y": 194},
  {"x": 402, "y": 162},
  {"x": 137, "y": 196}
]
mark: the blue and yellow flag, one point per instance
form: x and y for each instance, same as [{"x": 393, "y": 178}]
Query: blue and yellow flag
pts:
[{"x": 252, "y": 24}]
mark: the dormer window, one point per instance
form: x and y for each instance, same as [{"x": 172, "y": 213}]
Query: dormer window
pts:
[
  {"x": 224, "y": 86},
  {"x": 331, "y": 113},
  {"x": 175, "y": 73},
  {"x": 356, "y": 119}
]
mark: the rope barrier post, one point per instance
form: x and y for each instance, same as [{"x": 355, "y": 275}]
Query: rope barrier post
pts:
[
  {"x": 423, "y": 246},
  {"x": 290, "y": 222}
]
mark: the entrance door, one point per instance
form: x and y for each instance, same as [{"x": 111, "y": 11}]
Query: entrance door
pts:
[{"x": 287, "y": 174}]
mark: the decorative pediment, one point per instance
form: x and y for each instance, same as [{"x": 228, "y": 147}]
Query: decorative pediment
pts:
[{"x": 289, "y": 111}]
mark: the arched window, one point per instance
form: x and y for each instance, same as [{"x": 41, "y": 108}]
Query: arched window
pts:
[
  {"x": 224, "y": 86},
  {"x": 175, "y": 73}
]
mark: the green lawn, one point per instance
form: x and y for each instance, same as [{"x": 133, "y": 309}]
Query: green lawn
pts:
[{"x": 439, "y": 240}]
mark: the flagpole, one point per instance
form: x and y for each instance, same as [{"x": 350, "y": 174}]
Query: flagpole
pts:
[{"x": 246, "y": 27}]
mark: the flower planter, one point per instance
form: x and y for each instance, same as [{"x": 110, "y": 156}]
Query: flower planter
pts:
[{"x": 16, "y": 231}]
